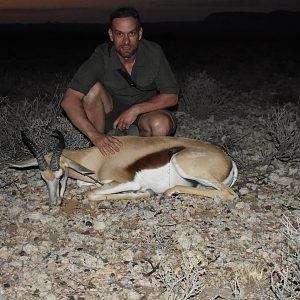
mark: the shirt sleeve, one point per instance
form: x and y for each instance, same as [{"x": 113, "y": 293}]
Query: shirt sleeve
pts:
[{"x": 89, "y": 73}]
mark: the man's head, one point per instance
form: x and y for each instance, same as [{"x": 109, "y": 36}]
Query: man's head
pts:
[{"x": 125, "y": 31}]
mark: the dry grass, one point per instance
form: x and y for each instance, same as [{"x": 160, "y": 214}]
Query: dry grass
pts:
[{"x": 41, "y": 117}]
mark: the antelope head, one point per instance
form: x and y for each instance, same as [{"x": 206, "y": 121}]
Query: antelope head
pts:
[{"x": 53, "y": 166}]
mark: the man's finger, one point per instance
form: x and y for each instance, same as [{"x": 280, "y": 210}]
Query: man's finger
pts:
[
  {"x": 110, "y": 149},
  {"x": 101, "y": 149},
  {"x": 116, "y": 141}
]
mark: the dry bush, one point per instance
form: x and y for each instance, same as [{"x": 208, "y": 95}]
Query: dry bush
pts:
[
  {"x": 40, "y": 117},
  {"x": 282, "y": 127},
  {"x": 182, "y": 282},
  {"x": 231, "y": 143},
  {"x": 285, "y": 283},
  {"x": 251, "y": 281},
  {"x": 202, "y": 96}
]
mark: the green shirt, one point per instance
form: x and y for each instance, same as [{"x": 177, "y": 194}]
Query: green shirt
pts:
[{"x": 150, "y": 66}]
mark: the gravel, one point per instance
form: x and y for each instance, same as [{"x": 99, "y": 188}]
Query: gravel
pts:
[{"x": 133, "y": 249}]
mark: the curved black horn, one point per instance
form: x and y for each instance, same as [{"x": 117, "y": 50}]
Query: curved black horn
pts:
[
  {"x": 35, "y": 151},
  {"x": 54, "y": 162}
]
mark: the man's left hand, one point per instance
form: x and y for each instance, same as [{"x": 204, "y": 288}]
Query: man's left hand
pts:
[{"x": 125, "y": 119}]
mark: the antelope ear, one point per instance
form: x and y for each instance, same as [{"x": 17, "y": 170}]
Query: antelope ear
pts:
[
  {"x": 24, "y": 164},
  {"x": 77, "y": 167}
]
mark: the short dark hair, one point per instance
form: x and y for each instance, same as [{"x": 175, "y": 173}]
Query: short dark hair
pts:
[{"x": 123, "y": 12}]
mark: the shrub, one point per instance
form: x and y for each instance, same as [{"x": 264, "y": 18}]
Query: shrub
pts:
[
  {"x": 182, "y": 282},
  {"x": 40, "y": 117},
  {"x": 282, "y": 127},
  {"x": 202, "y": 96},
  {"x": 285, "y": 283}
]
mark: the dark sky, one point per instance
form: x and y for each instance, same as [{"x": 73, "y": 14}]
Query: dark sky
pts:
[{"x": 97, "y": 11}]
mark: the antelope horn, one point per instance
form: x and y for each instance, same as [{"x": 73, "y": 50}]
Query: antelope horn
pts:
[
  {"x": 54, "y": 162},
  {"x": 36, "y": 152}
]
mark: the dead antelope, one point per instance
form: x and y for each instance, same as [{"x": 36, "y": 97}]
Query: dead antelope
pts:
[{"x": 160, "y": 164}]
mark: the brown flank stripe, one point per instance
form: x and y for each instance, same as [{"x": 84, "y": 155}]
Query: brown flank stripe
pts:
[{"x": 154, "y": 160}]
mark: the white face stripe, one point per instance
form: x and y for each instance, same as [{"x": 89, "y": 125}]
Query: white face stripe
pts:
[{"x": 55, "y": 188}]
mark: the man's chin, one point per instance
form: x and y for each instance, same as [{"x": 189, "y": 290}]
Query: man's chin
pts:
[{"x": 127, "y": 54}]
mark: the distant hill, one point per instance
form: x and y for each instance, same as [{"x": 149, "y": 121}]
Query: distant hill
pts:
[
  {"x": 227, "y": 24},
  {"x": 31, "y": 40},
  {"x": 277, "y": 23}
]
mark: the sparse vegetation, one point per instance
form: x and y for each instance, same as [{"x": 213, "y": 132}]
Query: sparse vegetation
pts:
[
  {"x": 202, "y": 96},
  {"x": 182, "y": 282},
  {"x": 285, "y": 282},
  {"x": 282, "y": 127},
  {"x": 34, "y": 104},
  {"x": 40, "y": 117}
]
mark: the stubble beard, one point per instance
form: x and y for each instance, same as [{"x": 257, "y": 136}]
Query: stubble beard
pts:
[{"x": 126, "y": 54}]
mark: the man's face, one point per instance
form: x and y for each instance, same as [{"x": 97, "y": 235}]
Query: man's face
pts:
[{"x": 125, "y": 35}]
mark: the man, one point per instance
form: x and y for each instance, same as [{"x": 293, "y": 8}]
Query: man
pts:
[{"x": 128, "y": 81}]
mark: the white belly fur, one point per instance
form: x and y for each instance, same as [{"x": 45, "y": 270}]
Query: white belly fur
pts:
[{"x": 160, "y": 179}]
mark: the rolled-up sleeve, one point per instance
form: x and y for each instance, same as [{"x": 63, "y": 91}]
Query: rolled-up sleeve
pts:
[{"x": 89, "y": 73}]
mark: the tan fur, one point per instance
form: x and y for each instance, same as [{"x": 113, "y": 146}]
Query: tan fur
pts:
[
  {"x": 204, "y": 159},
  {"x": 158, "y": 162}
]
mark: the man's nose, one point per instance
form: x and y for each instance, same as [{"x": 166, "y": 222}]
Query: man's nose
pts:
[{"x": 126, "y": 39}]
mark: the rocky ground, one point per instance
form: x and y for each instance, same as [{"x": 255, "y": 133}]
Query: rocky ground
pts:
[{"x": 134, "y": 249}]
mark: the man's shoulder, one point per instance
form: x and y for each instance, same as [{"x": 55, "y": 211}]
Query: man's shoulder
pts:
[{"x": 103, "y": 49}]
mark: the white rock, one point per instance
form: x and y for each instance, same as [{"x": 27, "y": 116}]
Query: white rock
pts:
[
  {"x": 217, "y": 200},
  {"x": 4, "y": 253},
  {"x": 293, "y": 171},
  {"x": 30, "y": 249},
  {"x": 240, "y": 205},
  {"x": 243, "y": 191},
  {"x": 246, "y": 237},
  {"x": 33, "y": 216},
  {"x": 48, "y": 219},
  {"x": 128, "y": 255},
  {"x": 40, "y": 183},
  {"x": 197, "y": 239},
  {"x": 185, "y": 242},
  {"x": 253, "y": 219},
  {"x": 15, "y": 209},
  {"x": 89, "y": 261},
  {"x": 99, "y": 225},
  {"x": 50, "y": 297}
]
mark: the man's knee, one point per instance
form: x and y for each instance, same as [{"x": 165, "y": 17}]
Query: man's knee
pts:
[
  {"x": 95, "y": 97},
  {"x": 157, "y": 124},
  {"x": 94, "y": 93}
]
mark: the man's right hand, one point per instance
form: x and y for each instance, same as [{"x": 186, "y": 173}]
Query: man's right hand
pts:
[{"x": 107, "y": 144}]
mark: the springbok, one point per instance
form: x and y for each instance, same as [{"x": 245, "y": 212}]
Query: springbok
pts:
[{"x": 142, "y": 166}]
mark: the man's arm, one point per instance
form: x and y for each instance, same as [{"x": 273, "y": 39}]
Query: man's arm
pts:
[
  {"x": 159, "y": 101},
  {"x": 72, "y": 104}
]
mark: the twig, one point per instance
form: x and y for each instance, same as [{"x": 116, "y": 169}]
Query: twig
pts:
[
  {"x": 154, "y": 268},
  {"x": 9, "y": 183}
]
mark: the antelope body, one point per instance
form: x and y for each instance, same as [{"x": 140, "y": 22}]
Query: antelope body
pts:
[{"x": 160, "y": 164}]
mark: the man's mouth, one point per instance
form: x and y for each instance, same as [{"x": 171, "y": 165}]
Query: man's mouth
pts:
[{"x": 126, "y": 47}]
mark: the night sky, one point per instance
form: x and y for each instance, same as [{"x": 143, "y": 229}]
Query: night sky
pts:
[{"x": 97, "y": 11}]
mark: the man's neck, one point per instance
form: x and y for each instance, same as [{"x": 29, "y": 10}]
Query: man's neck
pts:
[{"x": 128, "y": 62}]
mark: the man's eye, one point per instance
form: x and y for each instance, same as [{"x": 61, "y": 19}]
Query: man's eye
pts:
[
  {"x": 119, "y": 33},
  {"x": 132, "y": 33}
]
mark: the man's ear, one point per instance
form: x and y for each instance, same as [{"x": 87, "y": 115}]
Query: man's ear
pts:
[
  {"x": 110, "y": 33},
  {"x": 140, "y": 33}
]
